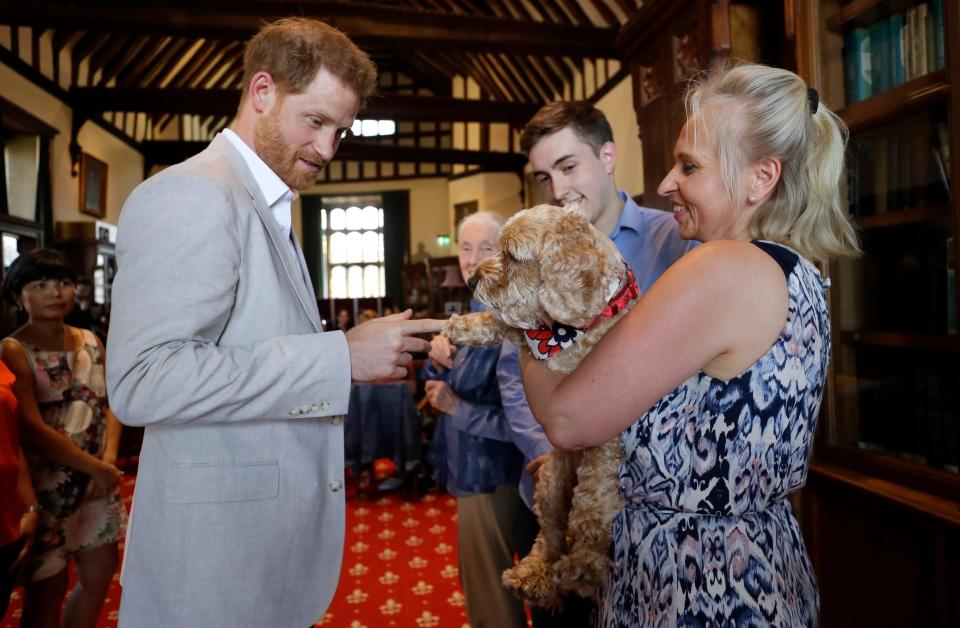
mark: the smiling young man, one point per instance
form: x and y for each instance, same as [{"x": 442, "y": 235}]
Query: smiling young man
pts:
[
  {"x": 572, "y": 154},
  {"x": 216, "y": 348}
]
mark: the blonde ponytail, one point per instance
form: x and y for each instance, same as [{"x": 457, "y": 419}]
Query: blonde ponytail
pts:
[{"x": 760, "y": 112}]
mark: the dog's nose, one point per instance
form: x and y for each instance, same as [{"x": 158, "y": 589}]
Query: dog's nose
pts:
[{"x": 472, "y": 282}]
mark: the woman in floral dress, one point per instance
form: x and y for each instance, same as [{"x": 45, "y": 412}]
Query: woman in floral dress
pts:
[
  {"x": 71, "y": 438},
  {"x": 724, "y": 361}
]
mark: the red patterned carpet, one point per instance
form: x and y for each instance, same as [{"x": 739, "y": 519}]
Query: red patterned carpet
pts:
[{"x": 399, "y": 567}]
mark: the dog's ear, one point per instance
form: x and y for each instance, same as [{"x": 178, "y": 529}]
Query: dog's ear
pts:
[
  {"x": 578, "y": 265},
  {"x": 522, "y": 236}
]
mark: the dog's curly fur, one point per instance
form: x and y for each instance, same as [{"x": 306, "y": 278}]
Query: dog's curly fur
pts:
[{"x": 555, "y": 266}]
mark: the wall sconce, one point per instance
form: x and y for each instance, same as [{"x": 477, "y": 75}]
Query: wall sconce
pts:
[{"x": 443, "y": 240}]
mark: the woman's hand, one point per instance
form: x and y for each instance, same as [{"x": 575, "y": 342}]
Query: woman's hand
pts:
[
  {"x": 28, "y": 534},
  {"x": 441, "y": 396},
  {"x": 104, "y": 478}
]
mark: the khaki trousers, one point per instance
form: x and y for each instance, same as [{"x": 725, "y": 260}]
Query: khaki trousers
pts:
[{"x": 486, "y": 526}]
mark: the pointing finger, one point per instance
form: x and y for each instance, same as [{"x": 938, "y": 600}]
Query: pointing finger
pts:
[
  {"x": 420, "y": 326},
  {"x": 399, "y": 316}
]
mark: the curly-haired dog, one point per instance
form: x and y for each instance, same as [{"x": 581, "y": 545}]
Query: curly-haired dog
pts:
[{"x": 557, "y": 285}]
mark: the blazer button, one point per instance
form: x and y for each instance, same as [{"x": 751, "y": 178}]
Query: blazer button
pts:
[
  {"x": 336, "y": 486},
  {"x": 324, "y": 405},
  {"x": 295, "y": 412}
]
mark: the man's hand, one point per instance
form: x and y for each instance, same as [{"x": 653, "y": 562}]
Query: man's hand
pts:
[
  {"x": 441, "y": 396},
  {"x": 381, "y": 348},
  {"x": 442, "y": 351}
]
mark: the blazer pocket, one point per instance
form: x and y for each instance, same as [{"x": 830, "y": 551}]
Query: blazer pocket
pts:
[{"x": 200, "y": 483}]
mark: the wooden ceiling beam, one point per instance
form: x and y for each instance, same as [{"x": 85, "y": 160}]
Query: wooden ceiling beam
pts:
[
  {"x": 469, "y": 67},
  {"x": 519, "y": 78},
  {"x": 104, "y": 53},
  {"x": 171, "y": 152},
  {"x": 130, "y": 74},
  {"x": 606, "y": 13},
  {"x": 401, "y": 107},
  {"x": 199, "y": 78},
  {"x": 372, "y": 26},
  {"x": 533, "y": 77},
  {"x": 516, "y": 85},
  {"x": 196, "y": 64},
  {"x": 548, "y": 73},
  {"x": 629, "y": 7},
  {"x": 175, "y": 57},
  {"x": 576, "y": 12},
  {"x": 122, "y": 59},
  {"x": 493, "y": 71}
]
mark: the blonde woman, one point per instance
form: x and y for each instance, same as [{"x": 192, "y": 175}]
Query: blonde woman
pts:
[{"x": 724, "y": 362}]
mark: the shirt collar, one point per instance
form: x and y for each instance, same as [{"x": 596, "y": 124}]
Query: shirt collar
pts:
[
  {"x": 630, "y": 217},
  {"x": 271, "y": 185}
]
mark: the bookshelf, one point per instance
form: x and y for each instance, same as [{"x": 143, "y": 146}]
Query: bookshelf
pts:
[
  {"x": 881, "y": 512},
  {"x": 896, "y": 361}
]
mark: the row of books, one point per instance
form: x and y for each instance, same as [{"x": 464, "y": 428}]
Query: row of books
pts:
[
  {"x": 893, "y": 51},
  {"x": 899, "y": 166}
]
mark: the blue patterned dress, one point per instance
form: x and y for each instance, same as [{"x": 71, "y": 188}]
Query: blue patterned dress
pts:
[{"x": 708, "y": 536}]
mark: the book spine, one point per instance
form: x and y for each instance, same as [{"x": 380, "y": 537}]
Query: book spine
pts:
[
  {"x": 921, "y": 40},
  {"x": 861, "y": 37},
  {"x": 851, "y": 68},
  {"x": 897, "y": 50},
  {"x": 878, "y": 58},
  {"x": 909, "y": 35},
  {"x": 940, "y": 52}
]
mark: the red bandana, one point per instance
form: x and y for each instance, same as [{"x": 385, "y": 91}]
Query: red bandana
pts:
[
  {"x": 545, "y": 342},
  {"x": 620, "y": 300}
]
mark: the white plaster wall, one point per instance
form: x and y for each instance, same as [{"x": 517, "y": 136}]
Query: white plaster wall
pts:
[{"x": 124, "y": 164}]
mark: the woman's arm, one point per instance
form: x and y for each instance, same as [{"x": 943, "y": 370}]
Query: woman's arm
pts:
[
  {"x": 37, "y": 436},
  {"x": 718, "y": 309},
  {"x": 113, "y": 427},
  {"x": 28, "y": 520},
  {"x": 112, "y": 443}
]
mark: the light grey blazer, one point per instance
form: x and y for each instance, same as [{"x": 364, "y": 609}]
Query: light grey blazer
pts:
[{"x": 215, "y": 348}]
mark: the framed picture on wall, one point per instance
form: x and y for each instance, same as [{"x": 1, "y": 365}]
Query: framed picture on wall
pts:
[
  {"x": 93, "y": 186},
  {"x": 464, "y": 209}
]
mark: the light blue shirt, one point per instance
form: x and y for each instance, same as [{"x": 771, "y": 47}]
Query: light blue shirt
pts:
[{"x": 648, "y": 239}]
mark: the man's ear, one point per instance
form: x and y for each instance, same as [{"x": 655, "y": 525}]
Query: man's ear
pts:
[
  {"x": 608, "y": 157},
  {"x": 262, "y": 92},
  {"x": 764, "y": 175}
]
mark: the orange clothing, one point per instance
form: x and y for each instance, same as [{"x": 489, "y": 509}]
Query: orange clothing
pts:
[{"x": 11, "y": 509}]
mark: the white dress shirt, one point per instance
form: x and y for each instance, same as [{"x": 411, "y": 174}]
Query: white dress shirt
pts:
[{"x": 278, "y": 194}]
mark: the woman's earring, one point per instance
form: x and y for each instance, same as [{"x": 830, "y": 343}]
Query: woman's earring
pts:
[
  {"x": 19, "y": 307},
  {"x": 752, "y": 199}
]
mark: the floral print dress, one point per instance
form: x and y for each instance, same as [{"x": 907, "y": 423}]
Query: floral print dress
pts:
[
  {"x": 72, "y": 396},
  {"x": 708, "y": 536}
]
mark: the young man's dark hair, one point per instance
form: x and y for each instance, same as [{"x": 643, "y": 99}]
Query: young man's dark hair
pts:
[
  {"x": 32, "y": 266},
  {"x": 587, "y": 121}
]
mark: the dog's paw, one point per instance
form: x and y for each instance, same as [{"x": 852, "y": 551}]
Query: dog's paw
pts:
[
  {"x": 473, "y": 329},
  {"x": 534, "y": 581},
  {"x": 582, "y": 573}
]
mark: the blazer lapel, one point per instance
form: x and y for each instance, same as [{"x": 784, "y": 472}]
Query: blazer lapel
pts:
[{"x": 293, "y": 264}]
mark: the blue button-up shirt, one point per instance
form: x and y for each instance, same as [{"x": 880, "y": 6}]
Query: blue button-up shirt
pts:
[{"x": 648, "y": 239}]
